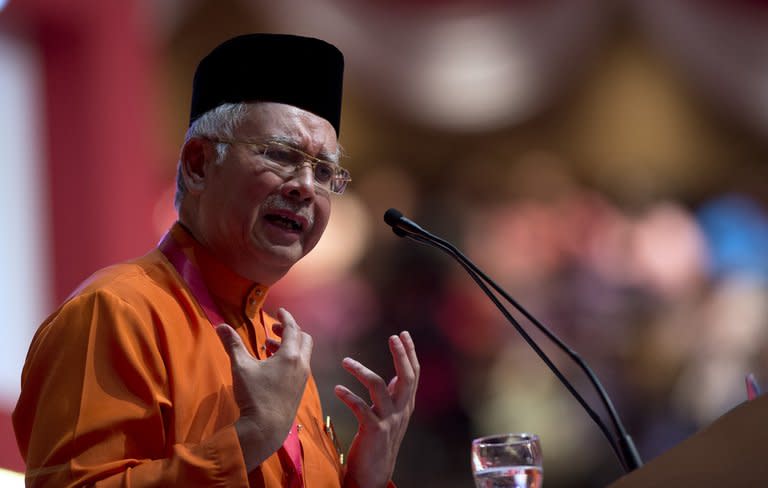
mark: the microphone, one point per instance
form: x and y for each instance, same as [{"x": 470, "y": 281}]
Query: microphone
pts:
[
  {"x": 624, "y": 447},
  {"x": 395, "y": 219}
]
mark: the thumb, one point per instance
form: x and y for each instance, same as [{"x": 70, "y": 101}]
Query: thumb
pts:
[{"x": 232, "y": 342}]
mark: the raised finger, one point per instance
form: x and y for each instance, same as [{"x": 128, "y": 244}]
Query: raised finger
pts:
[
  {"x": 232, "y": 343},
  {"x": 360, "y": 409},
  {"x": 376, "y": 387},
  {"x": 306, "y": 345},
  {"x": 291, "y": 332},
  {"x": 405, "y": 374},
  {"x": 410, "y": 349}
]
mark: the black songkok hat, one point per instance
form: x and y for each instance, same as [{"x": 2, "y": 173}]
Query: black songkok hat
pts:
[{"x": 300, "y": 71}]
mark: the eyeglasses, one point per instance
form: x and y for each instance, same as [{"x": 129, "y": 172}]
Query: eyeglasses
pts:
[{"x": 286, "y": 160}]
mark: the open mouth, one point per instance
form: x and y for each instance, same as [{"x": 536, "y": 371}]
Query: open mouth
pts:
[{"x": 284, "y": 222}]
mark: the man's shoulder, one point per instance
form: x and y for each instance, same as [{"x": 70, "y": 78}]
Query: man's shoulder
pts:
[
  {"x": 145, "y": 287},
  {"x": 138, "y": 291},
  {"x": 137, "y": 277}
]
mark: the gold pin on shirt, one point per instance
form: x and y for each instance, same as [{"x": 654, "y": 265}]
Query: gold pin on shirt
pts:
[{"x": 331, "y": 432}]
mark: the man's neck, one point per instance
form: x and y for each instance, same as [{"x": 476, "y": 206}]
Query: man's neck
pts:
[{"x": 222, "y": 281}]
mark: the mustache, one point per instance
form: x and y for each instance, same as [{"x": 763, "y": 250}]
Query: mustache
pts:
[{"x": 278, "y": 202}]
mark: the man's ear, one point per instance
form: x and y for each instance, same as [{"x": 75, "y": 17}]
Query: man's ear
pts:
[{"x": 196, "y": 156}]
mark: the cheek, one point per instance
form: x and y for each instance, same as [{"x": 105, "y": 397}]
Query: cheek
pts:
[
  {"x": 246, "y": 196},
  {"x": 234, "y": 212},
  {"x": 321, "y": 222}
]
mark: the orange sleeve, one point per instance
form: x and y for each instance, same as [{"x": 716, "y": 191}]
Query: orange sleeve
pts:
[{"x": 95, "y": 407}]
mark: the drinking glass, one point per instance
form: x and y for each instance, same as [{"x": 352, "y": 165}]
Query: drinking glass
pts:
[{"x": 507, "y": 460}]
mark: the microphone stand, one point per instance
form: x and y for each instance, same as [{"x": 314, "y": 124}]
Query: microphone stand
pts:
[{"x": 625, "y": 451}]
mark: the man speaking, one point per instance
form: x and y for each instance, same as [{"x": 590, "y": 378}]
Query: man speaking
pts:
[{"x": 166, "y": 370}]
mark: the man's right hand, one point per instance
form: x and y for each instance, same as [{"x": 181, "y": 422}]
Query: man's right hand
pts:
[{"x": 268, "y": 392}]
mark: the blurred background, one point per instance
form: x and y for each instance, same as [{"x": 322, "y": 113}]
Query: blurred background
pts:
[{"x": 604, "y": 161}]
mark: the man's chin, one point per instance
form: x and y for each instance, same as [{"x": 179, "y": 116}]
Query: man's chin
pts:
[{"x": 281, "y": 256}]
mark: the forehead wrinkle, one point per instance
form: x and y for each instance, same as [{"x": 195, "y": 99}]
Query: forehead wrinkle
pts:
[
  {"x": 296, "y": 128},
  {"x": 301, "y": 143}
]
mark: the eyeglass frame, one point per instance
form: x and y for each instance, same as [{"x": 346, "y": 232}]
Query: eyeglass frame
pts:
[{"x": 340, "y": 174}]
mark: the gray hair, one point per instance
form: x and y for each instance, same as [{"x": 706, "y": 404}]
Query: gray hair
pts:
[{"x": 217, "y": 123}]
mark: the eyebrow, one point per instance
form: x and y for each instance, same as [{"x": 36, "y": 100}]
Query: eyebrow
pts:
[{"x": 323, "y": 154}]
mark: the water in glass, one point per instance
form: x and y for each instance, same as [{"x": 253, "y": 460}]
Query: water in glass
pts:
[{"x": 509, "y": 477}]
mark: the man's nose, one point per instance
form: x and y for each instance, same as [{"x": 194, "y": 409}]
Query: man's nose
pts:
[{"x": 301, "y": 183}]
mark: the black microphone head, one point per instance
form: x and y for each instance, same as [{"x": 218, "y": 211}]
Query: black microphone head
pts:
[{"x": 392, "y": 217}]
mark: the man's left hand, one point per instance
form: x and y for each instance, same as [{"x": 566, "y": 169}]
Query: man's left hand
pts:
[{"x": 382, "y": 425}]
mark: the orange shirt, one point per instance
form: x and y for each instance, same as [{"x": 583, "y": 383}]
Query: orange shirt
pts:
[{"x": 127, "y": 384}]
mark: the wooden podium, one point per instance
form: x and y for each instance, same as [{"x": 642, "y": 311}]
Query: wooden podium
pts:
[{"x": 731, "y": 452}]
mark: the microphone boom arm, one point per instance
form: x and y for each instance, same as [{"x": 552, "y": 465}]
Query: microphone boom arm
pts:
[{"x": 625, "y": 451}]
